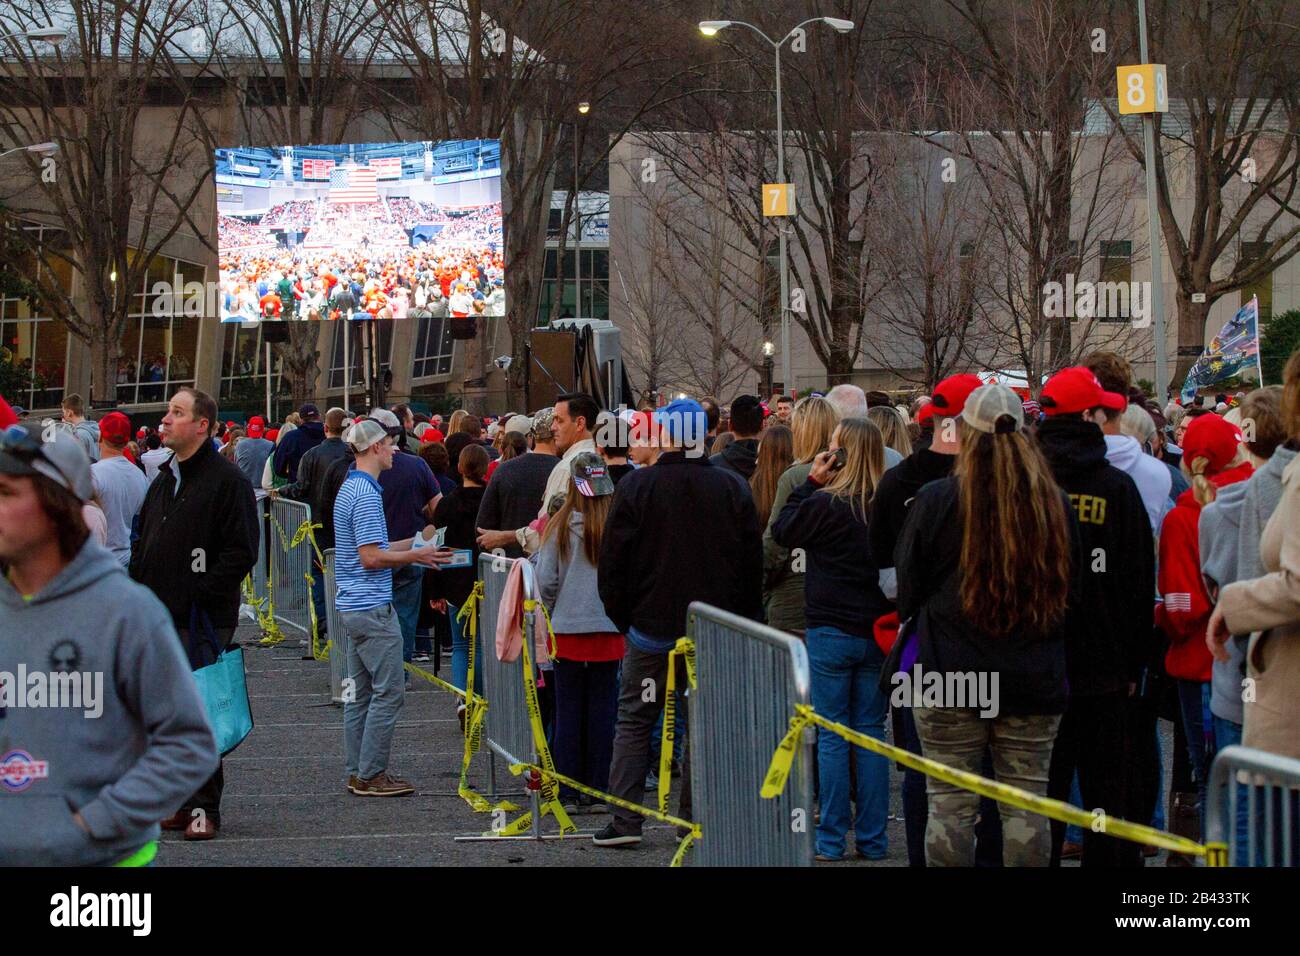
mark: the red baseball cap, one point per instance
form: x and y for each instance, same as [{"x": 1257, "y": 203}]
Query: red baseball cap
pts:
[
  {"x": 115, "y": 428},
  {"x": 432, "y": 434},
  {"x": 1213, "y": 438},
  {"x": 950, "y": 395},
  {"x": 1076, "y": 389},
  {"x": 273, "y": 434},
  {"x": 255, "y": 428}
]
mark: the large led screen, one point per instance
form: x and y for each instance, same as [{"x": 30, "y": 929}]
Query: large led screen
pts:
[{"x": 385, "y": 230}]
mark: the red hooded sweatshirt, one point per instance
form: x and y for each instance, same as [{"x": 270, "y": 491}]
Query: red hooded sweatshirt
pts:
[{"x": 1186, "y": 608}]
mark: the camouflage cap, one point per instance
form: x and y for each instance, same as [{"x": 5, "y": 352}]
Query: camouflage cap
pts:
[{"x": 542, "y": 424}]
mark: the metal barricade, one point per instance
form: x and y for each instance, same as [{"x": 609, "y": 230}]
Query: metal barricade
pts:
[
  {"x": 507, "y": 730},
  {"x": 749, "y": 679},
  {"x": 258, "y": 574},
  {"x": 1267, "y": 787},
  {"x": 339, "y": 640},
  {"x": 290, "y": 566}
]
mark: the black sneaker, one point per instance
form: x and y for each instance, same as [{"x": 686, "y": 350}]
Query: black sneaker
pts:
[{"x": 610, "y": 835}]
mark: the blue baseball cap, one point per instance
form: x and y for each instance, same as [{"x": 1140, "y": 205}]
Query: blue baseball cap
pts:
[{"x": 683, "y": 421}]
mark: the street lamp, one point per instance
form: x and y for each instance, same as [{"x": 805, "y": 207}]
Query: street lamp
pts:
[
  {"x": 711, "y": 28},
  {"x": 41, "y": 149},
  {"x": 40, "y": 35},
  {"x": 768, "y": 350},
  {"x": 583, "y": 108}
]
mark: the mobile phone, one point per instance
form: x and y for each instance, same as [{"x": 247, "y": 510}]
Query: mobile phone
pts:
[{"x": 838, "y": 458}]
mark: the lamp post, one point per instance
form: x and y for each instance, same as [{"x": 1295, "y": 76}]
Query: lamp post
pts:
[
  {"x": 711, "y": 28},
  {"x": 768, "y": 349},
  {"x": 583, "y": 108}
]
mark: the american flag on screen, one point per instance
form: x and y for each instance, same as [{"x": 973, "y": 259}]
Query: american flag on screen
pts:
[
  {"x": 317, "y": 168},
  {"x": 389, "y": 167},
  {"x": 353, "y": 184}
]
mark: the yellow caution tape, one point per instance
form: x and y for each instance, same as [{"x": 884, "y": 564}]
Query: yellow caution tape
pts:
[
  {"x": 779, "y": 771},
  {"x": 550, "y": 790}
]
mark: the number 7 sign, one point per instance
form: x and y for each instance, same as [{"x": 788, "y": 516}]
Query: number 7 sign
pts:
[
  {"x": 1142, "y": 89},
  {"x": 778, "y": 199}
]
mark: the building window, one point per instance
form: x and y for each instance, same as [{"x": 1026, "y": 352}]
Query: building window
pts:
[
  {"x": 356, "y": 352},
  {"x": 158, "y": 352},
  {"x": 433, "y": 345},
  {"x": 1116, "y": 266},
  {"x": 243, "y": 367},
  {"x": 594, "y": 281},
  {"x": 1262, "y": 287},
  {"x": 33, "y": 346}
]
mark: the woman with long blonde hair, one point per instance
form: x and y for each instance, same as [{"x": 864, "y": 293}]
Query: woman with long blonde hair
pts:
[
  {"x": 986, "y": 566},
  {"x": 826, "y": 518},
  {"x": 811, "y": 424},
  {"x": 893, "y": 428}
]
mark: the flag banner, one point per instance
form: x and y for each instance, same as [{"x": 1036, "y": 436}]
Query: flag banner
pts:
[
  {"x": 1235, "y": 348},
  {"x": 389, "y": 167},
  {"x": 353, "y": 184},
  {"x": 317, "y": 168}
]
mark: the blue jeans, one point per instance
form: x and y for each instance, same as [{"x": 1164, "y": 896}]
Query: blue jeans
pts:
[
  {"x": 846, "y": 689},
  {"x": 1228, "y": 734},
  {"x": 586, "y": 708},
  {"x": 1194, "y": 704},
  {"x": 460, "y": 653},
  {"x": 318, "y": 598},
  {"x": 407, "y": 583}
]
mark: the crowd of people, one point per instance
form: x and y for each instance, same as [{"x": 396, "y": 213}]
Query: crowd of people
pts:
[
  {"x": 1075, "y": 568},
  {"x": 460, "y": 271}
]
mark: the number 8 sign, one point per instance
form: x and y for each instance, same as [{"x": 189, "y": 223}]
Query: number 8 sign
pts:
[{"x": 1142, "y": 89}]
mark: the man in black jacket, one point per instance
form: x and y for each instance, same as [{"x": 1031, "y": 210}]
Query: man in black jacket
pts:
[
  {"x": 297, "y": 443},
  {"x": 198, "y": 541},
  {"x": 682, "y": 530},
  {"x": 312, "y": 487},
  {"x": 1108, "y": 637},
  {"x": 741, "y": 456}
]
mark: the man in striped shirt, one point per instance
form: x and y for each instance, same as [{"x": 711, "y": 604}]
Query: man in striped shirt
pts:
[{"x": 363, "y": 574}]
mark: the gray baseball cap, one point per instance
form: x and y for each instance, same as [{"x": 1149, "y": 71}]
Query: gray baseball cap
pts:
[
  {"x": 521, "y": 424},
  {"x": 365, "y": 433},
  {"x": 62, "y": 459},
  {"x": 988, "y": 405},
  {"x": 387, "y": 419}
]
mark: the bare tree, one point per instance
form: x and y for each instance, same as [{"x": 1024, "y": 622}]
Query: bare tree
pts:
[
  {"x": 1229, "y": 145},
  {"x": 516, "y": 71},
  {"x": 120, "y": 99},
  {"x": 1016, "y": 92},
  {"x": 933, "y": 254},
  {"x": 297, "y": 72}
]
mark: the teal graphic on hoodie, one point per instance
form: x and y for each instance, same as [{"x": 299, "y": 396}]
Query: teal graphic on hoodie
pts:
[{"x": 137, "y": 762}]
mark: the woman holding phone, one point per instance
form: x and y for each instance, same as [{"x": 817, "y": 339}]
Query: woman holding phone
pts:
[{"x": 826, "y": 518}]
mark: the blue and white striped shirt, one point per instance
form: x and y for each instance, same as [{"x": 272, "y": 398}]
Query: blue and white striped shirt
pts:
[{"x": 359, "y": 520}]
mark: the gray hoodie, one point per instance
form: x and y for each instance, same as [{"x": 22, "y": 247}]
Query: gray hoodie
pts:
[
  {"x": 136, "y": 744},
  {"x": 1230, "y": 529},
  {"x": 87, "y": 433},
  {"x": 568, "y": 589}
]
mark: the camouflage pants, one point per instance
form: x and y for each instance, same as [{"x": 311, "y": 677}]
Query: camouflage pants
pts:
[{"x": 1022, "y": 754}]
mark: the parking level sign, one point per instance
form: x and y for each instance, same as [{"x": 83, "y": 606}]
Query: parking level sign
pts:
[{"x": 778, "y": 199}]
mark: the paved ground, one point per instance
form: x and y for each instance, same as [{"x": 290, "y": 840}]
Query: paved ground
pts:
[{"x": 285, "y": 803}]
